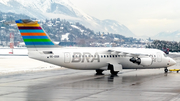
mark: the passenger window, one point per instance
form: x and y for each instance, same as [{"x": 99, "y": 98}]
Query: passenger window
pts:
[
  {"x": 107, "y": 56},
  {"x": 104, "y": 55}
]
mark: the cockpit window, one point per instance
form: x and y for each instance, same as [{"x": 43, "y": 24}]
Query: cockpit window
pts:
[{"x": 165, "y": 55}]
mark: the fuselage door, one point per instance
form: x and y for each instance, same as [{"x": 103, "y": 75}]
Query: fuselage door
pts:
[
  {"x": 159, "y": 57},
  {"x": 67, "y": 57}
]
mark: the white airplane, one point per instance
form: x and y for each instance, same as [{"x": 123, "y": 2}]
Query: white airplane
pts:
[{"x": 42, "y": 48}]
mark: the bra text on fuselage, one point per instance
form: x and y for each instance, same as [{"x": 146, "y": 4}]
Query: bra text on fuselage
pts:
[{"x": 85, "y": 56}]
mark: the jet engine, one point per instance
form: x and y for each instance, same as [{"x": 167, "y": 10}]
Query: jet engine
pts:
[{"x": 141, "y": 61}]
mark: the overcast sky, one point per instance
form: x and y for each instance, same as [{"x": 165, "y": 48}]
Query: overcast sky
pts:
[{"x": 142, "y": 17}]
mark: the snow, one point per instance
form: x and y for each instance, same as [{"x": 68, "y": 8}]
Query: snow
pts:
[
  {"x": 16, "y": 51},
  {"x": 62, "y": 16},
  {"x": 113, "y": 28},
  {"x": 50, "y": 25},
  {"x": 177, "y": 53},
  {"x": 56, "y": 42},
  {"x": 4, "y": 2},
  {"x": 2, "y": 21},
  {"x": 21, "y": 43},
  {"x": 23, "y": 64},
  {"x": 116, "y": 39},
  {"x": 65, "y": 36},
  {"x": 74, "y": 26},
  {"x": 57, "y": 22}
]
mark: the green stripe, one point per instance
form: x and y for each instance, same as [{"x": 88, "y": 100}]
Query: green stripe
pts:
[{"x": 37, "y": 40}]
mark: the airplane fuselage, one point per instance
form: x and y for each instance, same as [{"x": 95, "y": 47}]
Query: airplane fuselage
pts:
[{"x": 98, "y": 58}]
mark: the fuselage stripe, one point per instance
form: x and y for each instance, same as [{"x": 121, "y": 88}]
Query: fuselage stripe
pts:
[
  {"x": 33, "y": 34},
  {"x": 35, "y": 37},
  {"x": 37, "y": 40},
  {"x": 29, "y": 28},
  {"x": 31, "y": 31},
  {"x": 27, "y": 25},
  {"x": 39, "y": 43}
]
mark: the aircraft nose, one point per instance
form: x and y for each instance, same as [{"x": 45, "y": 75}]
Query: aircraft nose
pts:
[{"x": 172, "y": 62}]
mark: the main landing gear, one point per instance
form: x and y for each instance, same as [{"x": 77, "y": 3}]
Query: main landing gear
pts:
[
  {"x": 165, "y": 70},
  {"x": 111, "y": 68},
  {"x": 99, "y": 72}
]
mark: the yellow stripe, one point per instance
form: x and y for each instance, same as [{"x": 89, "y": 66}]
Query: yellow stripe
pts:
[{"x": 27, "y": 25}]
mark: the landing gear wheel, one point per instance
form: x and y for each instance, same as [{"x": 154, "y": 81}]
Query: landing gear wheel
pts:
[
  {"x": 99, "y": 71},
  {"x": 165, "y": 70},
  {"x": 114, "y": 72}
]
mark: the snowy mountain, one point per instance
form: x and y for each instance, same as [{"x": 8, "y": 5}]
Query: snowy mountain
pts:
[
  {"x": 171, "y": 36},
  {"x": 60, "y": 30},
  {"x": 115, "y": 27},
  {"x": 46, "y": 9}
]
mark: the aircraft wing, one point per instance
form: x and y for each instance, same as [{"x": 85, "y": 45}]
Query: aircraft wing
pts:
[{"x": 126, "y": 53}]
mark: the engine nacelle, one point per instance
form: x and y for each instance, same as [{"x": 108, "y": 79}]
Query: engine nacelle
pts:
[{"x": 142, "y": 61}]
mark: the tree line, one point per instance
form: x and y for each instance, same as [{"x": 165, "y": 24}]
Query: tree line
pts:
[{"x": 160, "y": 44}]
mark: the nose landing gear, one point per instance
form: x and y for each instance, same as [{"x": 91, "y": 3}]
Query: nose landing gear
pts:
[{"x": 165, "y": 70}]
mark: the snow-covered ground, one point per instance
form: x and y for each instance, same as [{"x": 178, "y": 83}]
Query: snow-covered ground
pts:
[
  {"x": 16, "y": 51},
  {"x": 21, "y": 62},
  {"x": 177, "y": 53},
  {"x": 18, "y": 64}
]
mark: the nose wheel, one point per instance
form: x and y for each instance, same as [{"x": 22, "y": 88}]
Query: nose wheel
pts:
[{"x": 165, "y": 70}]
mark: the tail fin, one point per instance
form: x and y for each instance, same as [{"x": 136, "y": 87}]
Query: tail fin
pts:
[{"x": 33, "y": 35}]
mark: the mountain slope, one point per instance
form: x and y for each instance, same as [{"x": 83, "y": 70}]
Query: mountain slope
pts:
[
  {"x": 62, "y": 30},
  {"x": 46, "y": 9},
  {"x": 171, "y": 36}
]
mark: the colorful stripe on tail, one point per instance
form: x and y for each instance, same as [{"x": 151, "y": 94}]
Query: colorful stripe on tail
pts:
[{"x": 32, "y": 34}]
